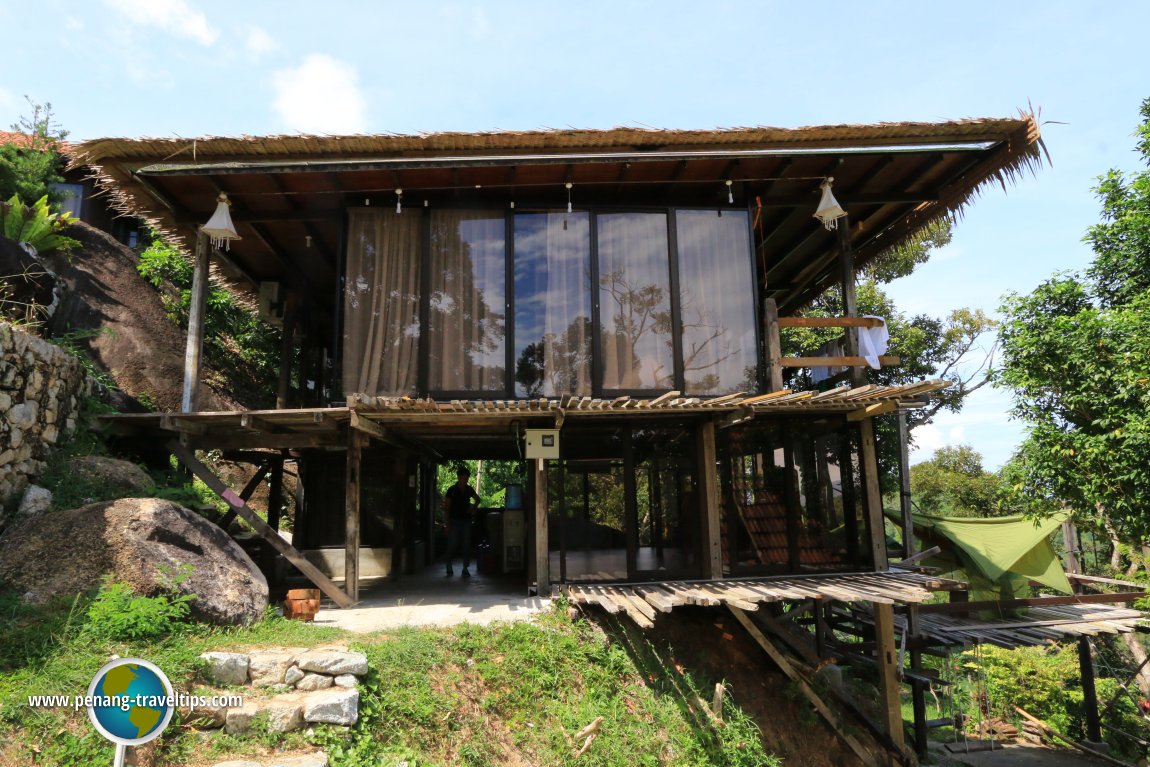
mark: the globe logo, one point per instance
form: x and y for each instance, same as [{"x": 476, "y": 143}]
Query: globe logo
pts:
[{"x": 131, "y": 702}]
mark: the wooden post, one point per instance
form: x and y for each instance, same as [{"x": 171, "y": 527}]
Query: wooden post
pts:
[
  {"x": 886, "y": 653},
  {"x": 1085, "y": 660},
  {"x": 904, "y": 485},
  {"x": 276, "y": 492},
  {"x": 773, "y": 345},
  {"x": 542, "y": 555},
  {"x": 283, "y": 393},
  {"x": 850, "y": 302},
  {"x": 194, "y": 352},
  {"x": 873, "y": 495},
  {"x": 709, "y": 501},
  {"x": 355, "y": 442},
  {"x": 917, "y": 686},
  {"x": 562, "y": 470},
  {"x": 630, "y": 505}
]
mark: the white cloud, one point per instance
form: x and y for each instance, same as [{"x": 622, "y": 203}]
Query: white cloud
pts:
[
  {"x": 321, "y": 95},
  {"x": 259, "y": 42},
  {"x": 173, "y": 16}
]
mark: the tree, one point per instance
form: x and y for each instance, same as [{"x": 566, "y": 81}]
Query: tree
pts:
[
  {"x": 953, "y": 483},
  {"x": 29, "y": 169},
  {"x": 1076, "y": 353}
]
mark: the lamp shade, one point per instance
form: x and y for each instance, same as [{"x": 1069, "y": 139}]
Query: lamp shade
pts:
[
  {"x": 829, "y": 210},
  {"x": 220, "y": 228}
]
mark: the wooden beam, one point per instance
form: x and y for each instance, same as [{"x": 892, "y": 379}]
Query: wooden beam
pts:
[
  {"x": 837, "y": 362},
  {"x": 888, "y": 671},
  {"x": 252, "y": 440},
  {"x": 830, "y": 322},
  {"x": 709, "y": 501},
  {"x": 832, "y": 718},
  {"x": 257, "y": 423},
  {"x": 368, "y": 426},
  {"x": 873, "y": 494},
  {"x": 287, "y": 345},
  {"x": 310, "y": 571},
  {"x": 961, "y": 608},
  {"x": 542, "y": 554},
  {"x": 170, "y": 422},
  {"x": 771, "y": 324},
  {"x": 194, "y": 351},
  {"x": 355, "y": 443},
  {"x": 870, "y": 411}
]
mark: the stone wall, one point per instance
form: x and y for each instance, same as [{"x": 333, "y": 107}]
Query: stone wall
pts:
[{"x": 41, "y": 388}]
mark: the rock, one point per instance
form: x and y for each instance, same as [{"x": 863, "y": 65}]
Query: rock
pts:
[
  {"x": 121, "y": 478},
  {"x": 285, "y": 714},
  {"x": 23, "y": 416},
  {"x": 333, "y": 662},
  {"x": 150, "y": 544},
  {"x": 311, "y": 682},
  {"x": 239, "y": 720},
  {"x": 346, "y": 680},
  {"x": 36, "y": 501},
  {"x": 268, "y": 668},
  {"x": 238, "y": 763},
  {"x": 204, "y": 717},
  {"x": 308, "y": 760},
  {"x": 334, "y": 706},
  {"x": 226, "y": 667},
  {"x": 293, "y": 675}
]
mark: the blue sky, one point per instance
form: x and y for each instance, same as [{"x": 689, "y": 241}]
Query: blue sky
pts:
[{"x": 183, "y": 68}]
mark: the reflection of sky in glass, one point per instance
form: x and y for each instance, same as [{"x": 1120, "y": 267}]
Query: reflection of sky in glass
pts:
[
  {"x": 717, "y": 286},
  {"x": 552, "y": 279},
  {"x": 634, "y": 300}
]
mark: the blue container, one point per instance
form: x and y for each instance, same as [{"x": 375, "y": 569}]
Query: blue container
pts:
[{"x": 514, "y": 499}]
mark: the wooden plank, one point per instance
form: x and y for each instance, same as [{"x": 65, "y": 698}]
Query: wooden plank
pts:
[
  {"x": 665, "y": 397},
  {"x": 958, "y": 608},
  {"x": 832, "y": 719},
  {"x": 369, "y": 427},
  {"x": 765, "y": 397},
  {"x": 889, "y": 669},
  {"x": 829, "y": 322},
  {"x": 709, "y": 501},
  {"x": 260, "y": 423},
  {"x": 310, "y": 571},
  {"x": 870, "y": 411},
  {"x": 873, "y": 495},
  {"x": 885, "y": 361},
  {"x": 655, "y": 598},
  {"x": 169, "y": 422}
]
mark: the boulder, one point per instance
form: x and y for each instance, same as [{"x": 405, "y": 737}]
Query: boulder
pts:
[
  {"x": 150, "y": 544},
  {"x": 239, "y": 720},
  {"x": 120, "y": 478},
  {"x": 36, "y": 501}
]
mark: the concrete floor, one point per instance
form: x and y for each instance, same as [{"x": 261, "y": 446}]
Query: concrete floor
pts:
[
  {"x": 430, "y": 599},
  {"x": 1017, "y": 754}
]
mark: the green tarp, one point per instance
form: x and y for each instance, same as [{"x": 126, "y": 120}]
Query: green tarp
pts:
[{"x": 997, "y": 556}]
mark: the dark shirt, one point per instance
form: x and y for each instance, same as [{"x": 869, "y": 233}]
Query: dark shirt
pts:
[{"x": 459, "y": 501}]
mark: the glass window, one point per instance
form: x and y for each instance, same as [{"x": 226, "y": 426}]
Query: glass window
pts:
[
  {"x": 717, "y": 293},
  {"x": 635, "y": 301},
  {"x": 466, "y": 336},
  {"x": 552, "y": 304},
  {"x": 381, "y": 303}
]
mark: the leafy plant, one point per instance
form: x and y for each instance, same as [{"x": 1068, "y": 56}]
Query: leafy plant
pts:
[
  {"x": 118, "y": 614},
  {"x": 37, "y": 225},
  {"x": 29, "y": 169}
]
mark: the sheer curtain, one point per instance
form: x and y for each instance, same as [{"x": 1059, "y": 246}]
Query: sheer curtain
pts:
[
  {"x": 381, "y": 303},
  {"x": 635, "y": 301},
  {"x": 466, "y": 336},
  {"x": 717, "y": 293},
  {"x": 552, "y": 304}
]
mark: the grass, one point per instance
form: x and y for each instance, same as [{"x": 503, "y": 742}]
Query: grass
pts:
[{"x": 506, "y": 694}]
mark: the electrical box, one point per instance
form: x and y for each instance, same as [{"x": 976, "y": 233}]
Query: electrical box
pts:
[
  {"x": 271, "y": 303},
  {"x": 542, "y": 443}
]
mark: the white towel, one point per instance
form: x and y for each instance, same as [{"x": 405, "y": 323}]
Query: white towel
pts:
[{"x": 873, "y": 342}]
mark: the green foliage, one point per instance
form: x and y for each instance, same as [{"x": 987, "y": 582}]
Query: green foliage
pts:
[
  {"x": 904, "y": 259},
  {"x": 1076, "y": 354},
  {"x": 235, "y": 339},
  {"x": 36, "y": 225},
  {"x": 119, "y": 614},
  {"x": 28, "y": 172},
  {"x": 954, "y": 484},
  {"x": 496, "y": 476}
]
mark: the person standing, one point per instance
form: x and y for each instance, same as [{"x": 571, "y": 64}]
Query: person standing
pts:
[{"x": 460, "y": 502}]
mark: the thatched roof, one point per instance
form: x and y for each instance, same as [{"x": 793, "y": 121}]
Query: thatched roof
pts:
[{"x": 289, "y": 192}]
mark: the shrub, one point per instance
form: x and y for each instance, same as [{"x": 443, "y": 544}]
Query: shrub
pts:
[
  {"x": 118, "y": 614},
  {"x": 37, "y": 225}
]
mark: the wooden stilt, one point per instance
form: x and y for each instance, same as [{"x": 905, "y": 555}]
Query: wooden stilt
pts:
[
  {"x": 773, "y": 345},
  {"x": 310, "y": 571},
  {"x": 275, "y": 493},
  {"x": 355, "y": 443},
  {"x": 542, "y": 555},
  {"x": 886, "y": 652},
  {"x": 630, "y": 505},
  {"x": 904, "y": 485},
  {"x": 193, "y": 353},
  {"x": 708, "y": 501},
  {"x": 917, "y": 684},
  {"x": 873, "y": 495},
  {"x": 850, "y": 302},
  {"x": 283, "y": 393}
]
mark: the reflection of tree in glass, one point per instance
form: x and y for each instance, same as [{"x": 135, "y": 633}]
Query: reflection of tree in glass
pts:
[
  {"x": 556, "y": 363},
  {"x": 467, "y": 330},
  {"x": 637, "y": 311},
  {"x": 701, "y": 361}
]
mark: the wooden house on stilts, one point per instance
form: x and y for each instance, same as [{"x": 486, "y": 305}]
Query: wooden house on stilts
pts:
[{"x": 442, "y": 294}]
